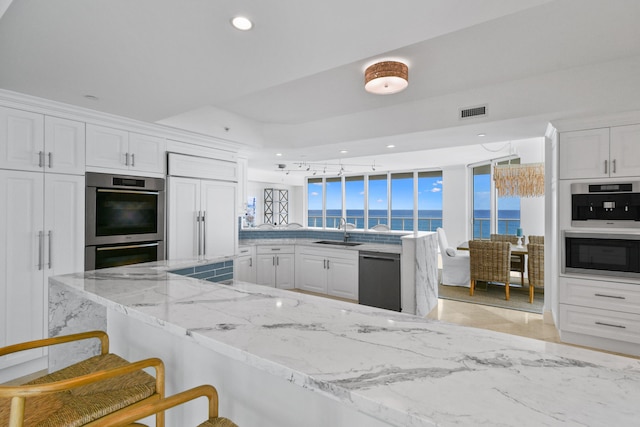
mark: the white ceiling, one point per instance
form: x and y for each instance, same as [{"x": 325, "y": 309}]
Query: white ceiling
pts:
[{"x": 294, "y": 84}]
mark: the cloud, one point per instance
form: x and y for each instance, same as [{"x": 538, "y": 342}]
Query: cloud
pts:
[
  {"x": 436, "y": 190},
  {"x": 314, "y": 193}
]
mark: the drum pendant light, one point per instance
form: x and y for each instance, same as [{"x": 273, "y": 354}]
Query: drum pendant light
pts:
[{"x": 385, "y": 78}]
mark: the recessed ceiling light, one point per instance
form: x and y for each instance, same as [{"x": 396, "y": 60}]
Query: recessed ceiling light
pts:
[
  {"x": 279, "y": 154},
  {"x": 482, "y": 134},
  {"x": 92, "y": 97},
  {"x": 241, "y": 23},
  {"x": 391, "y": 146},
  {"x": 343, "y": 151}
]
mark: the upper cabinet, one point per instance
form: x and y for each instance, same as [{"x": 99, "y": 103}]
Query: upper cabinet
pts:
[
  {"x": 600, "y": 153},
  {"x": 64, "y": 146},
  {"x": 34, "y": 142},
  {"x": 118, "y": 149}
]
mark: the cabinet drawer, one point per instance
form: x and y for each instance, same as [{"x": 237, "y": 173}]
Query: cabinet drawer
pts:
[
  {"x": 600, "y": 323},
  {"x": 284, "y": 249},
  {"x": 602, "y": 295}
]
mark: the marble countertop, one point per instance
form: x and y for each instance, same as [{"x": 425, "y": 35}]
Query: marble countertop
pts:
[
  {"x": 372, "y": 247},
  {"x": 399, "y": 368}
]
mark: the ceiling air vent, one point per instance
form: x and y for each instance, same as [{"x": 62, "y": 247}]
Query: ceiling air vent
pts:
[{"x": 467, "y": 113}]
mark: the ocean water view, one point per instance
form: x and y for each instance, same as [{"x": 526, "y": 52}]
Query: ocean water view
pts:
[{"x": 428, "y": 220}]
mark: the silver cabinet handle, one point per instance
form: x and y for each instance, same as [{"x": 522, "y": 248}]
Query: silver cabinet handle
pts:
[
  {"x": 204, "y": 232},
  {"x": 606, "y": 163},
  {"x": 610, "y": 296},
  {"x": 251, "y": 262},
  {"x": 40, "y": 159},
  {"x": 611, "y": 325},
  {"x": 324, "y": 264},
  {"x": 40, "y": 248},
  {"x": 277, "y": 260},
  {"x": 50, "y": 246},
  {"x": 198, "y": 231},
  {"x": 133, "y": 159},
  {"x": 273, "y": 260},
  {"x": 613, "y": 166},
  {"x": 328, "y": 266},
  {"x": 126, "y": 159},
  {"x": 50, "y": 159}
]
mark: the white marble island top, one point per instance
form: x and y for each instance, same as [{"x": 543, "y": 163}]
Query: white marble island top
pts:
[{"x": 399, "y": 368}]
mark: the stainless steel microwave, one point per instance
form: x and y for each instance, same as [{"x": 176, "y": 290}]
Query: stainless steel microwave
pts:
[{"x": 601, "y": 254}]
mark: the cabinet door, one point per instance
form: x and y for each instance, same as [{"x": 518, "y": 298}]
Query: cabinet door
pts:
[
  {"x": 147, "y": 153},
  {"x": 21, "y": 262},
  {"x": 313, "y": 274},
  {"x": 64, "y": 146},
  {"x": 107, "y": 147},
  {"x": 63, "y": 224},
  {"x": 625, "y": 151},
  {"x": 244, "y": 269},
  {"x": 21, "y": 140},
  {"x": 285, "y": 271},
  {"x": 221, "y": 226},
  {"x": 266, "y": 270},
  {"x": 584, "y": 154},
  {"x": 342, "y": 278},
  {"x": 184, "y": 205}
]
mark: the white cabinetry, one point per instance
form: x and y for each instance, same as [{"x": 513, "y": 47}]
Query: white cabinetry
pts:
[
  {"x": 201, "y": 218},
  {"x": 276, "y": 266},
  {"x": 109, "y": 148},
  {"x": 33, "y": 142},
  {"x": 600, "y": 153},
  {"x": 328, "y": 271},
  {"x": 606, "y": 311},
  {"x": 41, "y": 234},
  {"x": 244, "y": 267}
]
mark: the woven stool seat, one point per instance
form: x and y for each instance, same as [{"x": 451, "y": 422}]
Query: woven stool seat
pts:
[
  {"x": 218, "y": 422},
  {"x": 78, "y": 406}
]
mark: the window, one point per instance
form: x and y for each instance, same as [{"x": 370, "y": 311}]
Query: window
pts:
[
  {"x": 333, "y": 203},
  {"x": 482, "y": 202},
  {"x": 402, "y": 201},
  {"x": 508, "y": 210},
  {"x": 492, "y": 214},
  {"x": 314, "y": 202},
  {"x": 378, "y": 200},
  {"x": 429, "y": 200},
  {"x": 354, "y": 200}
]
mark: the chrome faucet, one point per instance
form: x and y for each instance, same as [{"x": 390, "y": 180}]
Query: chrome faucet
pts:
[{"x": 343, "y": 222}]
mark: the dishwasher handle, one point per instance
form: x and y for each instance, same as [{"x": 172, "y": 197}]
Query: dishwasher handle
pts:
[{"x": 381, "y": 258}]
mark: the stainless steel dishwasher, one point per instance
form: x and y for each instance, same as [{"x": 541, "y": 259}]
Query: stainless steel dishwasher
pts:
[{"x": 379, "y": 280}]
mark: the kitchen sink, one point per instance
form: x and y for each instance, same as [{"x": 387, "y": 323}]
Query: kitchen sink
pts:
[{"x": 337, "y": 243}]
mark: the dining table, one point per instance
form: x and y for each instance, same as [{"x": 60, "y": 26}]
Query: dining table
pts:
[{"x": 515, "y": 249}]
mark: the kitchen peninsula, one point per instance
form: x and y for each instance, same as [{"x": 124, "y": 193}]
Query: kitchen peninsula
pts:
[{"x": 280, "y": 358}]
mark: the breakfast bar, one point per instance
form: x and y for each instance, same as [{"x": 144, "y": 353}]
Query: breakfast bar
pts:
[{"x": 281, "y": 358}]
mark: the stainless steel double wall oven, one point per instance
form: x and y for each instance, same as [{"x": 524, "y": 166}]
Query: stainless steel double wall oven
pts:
[{"x": 125, "y": 220}]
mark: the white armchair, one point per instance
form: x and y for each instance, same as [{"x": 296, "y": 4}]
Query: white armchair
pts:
[{"x": 455, "y": 264}]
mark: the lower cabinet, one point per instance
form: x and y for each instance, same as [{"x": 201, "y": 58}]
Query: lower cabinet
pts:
[
  {"x": 326, "y": 271},
  {"x": 601, "y": 314},
  {"x": 276, "y": 266},
  {"x": 244, "y": 268}
]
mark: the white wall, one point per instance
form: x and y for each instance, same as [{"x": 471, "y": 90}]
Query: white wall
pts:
[
  {"x": 532, "y": 212},
  {"x": 455, "y": 201}
]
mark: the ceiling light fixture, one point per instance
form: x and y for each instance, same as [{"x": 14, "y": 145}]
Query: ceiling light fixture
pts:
[
  {"x": 385, "y": 78},
  {"x": 391, "y": 146},
  {"x": 343, "y": 151},
  {"x": 241, "y": 23},
  {"x": 482, "y": 134},
  {"x": 279, "y": 154}
]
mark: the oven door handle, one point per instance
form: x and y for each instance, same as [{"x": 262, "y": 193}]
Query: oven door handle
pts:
[
  {"x": 107, "y": 190},
  {"x": 115, "y": 248}
]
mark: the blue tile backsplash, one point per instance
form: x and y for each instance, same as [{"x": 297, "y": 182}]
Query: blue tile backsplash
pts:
[
  {"x": 354, "y": 236},
  {"x": 215, "y": 272}
]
